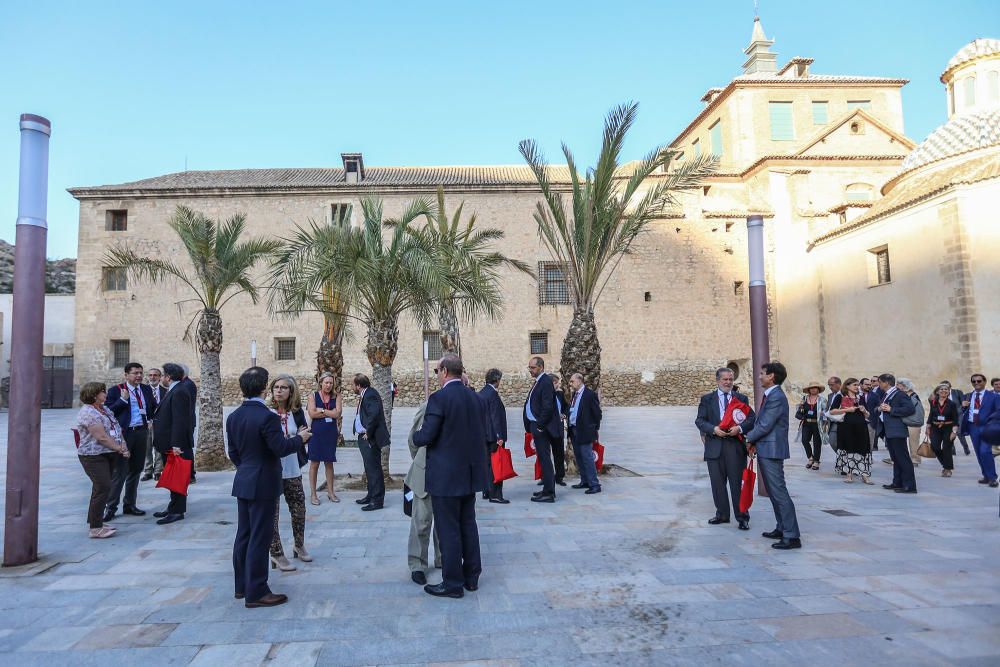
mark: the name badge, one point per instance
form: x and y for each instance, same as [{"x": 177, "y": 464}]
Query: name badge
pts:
[
  {"x": 142, "y": 411},
  {"x": 810, "y": 413},
  {"x": 940, "y": 418},
  {"x": 328, "y": 420}
]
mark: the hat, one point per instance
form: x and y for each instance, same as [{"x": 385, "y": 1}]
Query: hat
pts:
[{"x": 818, "y": 385}]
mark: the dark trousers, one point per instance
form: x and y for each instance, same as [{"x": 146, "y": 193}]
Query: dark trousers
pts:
[
  {"x": 543, "y": 449},
  {"x": 812, "y": 441},
  {"x": 129, "y": 470},
  {"x": 99, "y": 469},
  {"x": 726, "y": 473},
  {"x": 902, "y": 465},
  {"x": 773, "y": 471},
  {"x": 559, "y": 457},
  {"x": 983, "y": 452},
  {"x": 371, "y": 456},
  {"x": 455, "y": 522},
  {"x": 254, "y": 530},
  {"x": 492, "y": 490},
  {"x": 584, "y": 454},
  {"x": 942, "y": 445}
]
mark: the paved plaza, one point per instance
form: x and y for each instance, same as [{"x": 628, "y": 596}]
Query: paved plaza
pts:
[{"x": 632, "y": 576}]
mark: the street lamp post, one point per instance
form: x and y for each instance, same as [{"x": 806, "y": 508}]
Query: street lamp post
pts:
[
  {"x": 20, "y": 542},
  {"x": 759, "y": 345}
]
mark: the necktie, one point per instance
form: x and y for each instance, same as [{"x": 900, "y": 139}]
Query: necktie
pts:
[
  {"x": 725, "y": 402},
  {"x": 975, "y": 416}
]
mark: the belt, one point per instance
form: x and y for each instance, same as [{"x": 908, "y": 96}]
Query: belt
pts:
[
  {"x": 362, "y": 435},
  {"x": 138, "y": 428},
  {"x": 809, "y": 421}
]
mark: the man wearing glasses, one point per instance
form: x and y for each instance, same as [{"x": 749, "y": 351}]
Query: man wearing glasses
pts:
[
  {"x": 543, "y": 421},
  {"x": 978, "y": 406}
]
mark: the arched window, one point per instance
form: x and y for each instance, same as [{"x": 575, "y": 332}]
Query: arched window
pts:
[
  {"x": 859, "y": 192},
  {"x": 969, "y": 84},
  {"x": 993, "y": 86}
]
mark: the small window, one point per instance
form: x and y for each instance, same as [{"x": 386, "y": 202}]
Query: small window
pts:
[
  {"x": 782, "y": 128},
  {"x": 993, "y": 86},
  {"x": 738, "y": 288},
  {"x": 116, "y": 221},
  {"x": 858, "y": 192},
  {"x": 860, "y": 104},
  {"x": 432, "y": 340},
  {"x": 715, "y": 135},
  {"x": 539, "y": 343},
  {"x": 120, "y": 353},
  {"x": 735, "y": 368},
  {"x": 821, "y": 113},
  {"x": 552, "y": 287},
  {"x": 284, "y": 349},
  {"x": 647, "y": 296},
  {"x": 857, "y": 127},
  {"x": 340, "y": 215},
  {"x": 697, "y": 148},
  {"x": 879, "y": 272},
  {"x": 113, "y": 279},
  {"x": 969, "y": 87}
]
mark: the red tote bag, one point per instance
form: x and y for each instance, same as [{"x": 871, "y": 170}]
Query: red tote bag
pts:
[
  {"x": 538, "y": 469},
  {"x": 749, "y": 478},
  {"x": 529, "y": 446},
  {"x": 598, "y": 455},
  {"x": 503, "y": 466},
  {"x": 176, "y": 474}
]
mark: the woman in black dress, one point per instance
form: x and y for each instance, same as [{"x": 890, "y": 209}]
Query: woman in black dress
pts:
[
  {"x": 853, "y": 446},
  {"x": 941, "y": 421}
]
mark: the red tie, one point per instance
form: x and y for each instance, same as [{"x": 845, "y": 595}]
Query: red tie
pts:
[{"x": 975, "y": 417}]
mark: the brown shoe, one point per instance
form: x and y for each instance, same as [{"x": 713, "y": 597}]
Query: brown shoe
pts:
[{"x": 269, "y": 600}]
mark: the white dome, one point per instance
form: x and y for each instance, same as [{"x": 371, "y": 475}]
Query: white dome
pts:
[
  {"x": 958, "y": 135},
  {"x": 977, "y": 48}
]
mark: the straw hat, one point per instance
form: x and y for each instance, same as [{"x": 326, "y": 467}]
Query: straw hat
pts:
[{"x": 818, "y": 385}]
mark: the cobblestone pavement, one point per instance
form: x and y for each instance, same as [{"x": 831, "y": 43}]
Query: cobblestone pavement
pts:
[{"x": 631, "y": 576}]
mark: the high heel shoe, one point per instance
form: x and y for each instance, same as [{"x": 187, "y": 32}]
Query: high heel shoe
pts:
[
  {"x": 314, "y": 500},
  {"x": 867, "y": 479},
  {"x": 333, "y": 497},
  {"x": 281, "y": 563},
  {"x": 302, "y": 554}
]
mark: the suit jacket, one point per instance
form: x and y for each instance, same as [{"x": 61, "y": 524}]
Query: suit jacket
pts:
[
  {"x": 496, "y": 412},
  {"x": 875, "y": 397},
  {"x": 256, "y": 445},
  {"x": 192, "y": 390},
  {"x": 120, "y": 404},
  {"x": 453, "y": 434},
  {"x": 709, "y": 417},
  {"x": 892, "y": 426},
  {"x": 173, "y": 425},
  {"x": 988, "y": 404},
  {"x": 416, "y": 477},
  {"x": 770, "y": 429},
  {"x": 373, "y": 418},
  {"x": 588, "y": 417},
  {"x": 543, "y": 406}
]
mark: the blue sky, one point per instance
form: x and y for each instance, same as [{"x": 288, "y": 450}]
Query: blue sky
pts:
[{"x": 133, "y": 89}]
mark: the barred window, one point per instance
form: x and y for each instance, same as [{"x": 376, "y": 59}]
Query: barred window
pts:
[
  {"x": 116, "y": 221},
  {"x": 340, "y": 215},
  {"x": 552, "y": 285},
  {"x": 539, "y": 343},
  {"x": 284, "y": 349},
  {"x": 120, "y": 353},
  {"x": 432, "y": 339},
  {"x": 879, "y": 272},
  {"x": 113, "y": 279}
]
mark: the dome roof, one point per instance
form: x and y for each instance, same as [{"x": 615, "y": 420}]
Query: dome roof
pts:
[
  {"x": 958, "y": 135},
  {"x": 974, "y": 49}
]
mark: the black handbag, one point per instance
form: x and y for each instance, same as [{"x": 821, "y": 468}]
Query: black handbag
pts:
[
  {"x": 407, "y": 500},
  {"x": 302, "y": 454}
]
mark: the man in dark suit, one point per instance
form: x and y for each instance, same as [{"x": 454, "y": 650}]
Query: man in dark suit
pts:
[
  {"x": 543, "y": 421},
  {"x": 188, "y": 385},
  {"x": 154, "y": 462},
  {"x": 559, "y": 442},
  {"x": 453, "y": 433},
  {"x": 132, "y": 404},
  {"x": 256, "y": 444},
  {"x": 978, "y": 406},
  {"x": 373, "y": 435},
  {"x": 887, "y": 418},
  {"x": 584, "y": 422},
  {"x": 726, "y": 456},
  {"x": 173, "y": 431},
  {"x": 496, "y": 436},
  {"x": 769, "y": 440}
]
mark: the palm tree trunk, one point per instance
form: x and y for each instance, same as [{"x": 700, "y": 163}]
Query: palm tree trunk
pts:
[
  {"x": 383, "y": 343},
  {"x": 211, "y": 450},
  {"x": 581, "y": 351},
  {"x": 451, "y": 343}
]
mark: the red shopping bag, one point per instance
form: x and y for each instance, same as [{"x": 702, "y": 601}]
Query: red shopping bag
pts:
[
  {"x": 736, "y": 413},
  {"x": 529, "y": 447},
  {"x": 598, "y": 455},
  {"x": 538, "y": 469},
  {"x": 749, "y": 477},
  {"x": 503, "y": 466},
  {"x": 176, "y": 474}
]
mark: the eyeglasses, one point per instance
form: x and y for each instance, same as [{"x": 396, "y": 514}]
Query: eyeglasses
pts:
[
  {"x": 979, "y": 382},
  {"x": 436, "y": 371}
]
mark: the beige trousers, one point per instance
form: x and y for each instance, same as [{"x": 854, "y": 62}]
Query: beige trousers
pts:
[
  {"x": 421, "y": 527},
  {"x": 914, "y": 442}
]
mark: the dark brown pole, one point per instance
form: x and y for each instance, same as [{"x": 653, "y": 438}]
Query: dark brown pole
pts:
[
  {"x": 760, "y": 350},
  {"x": 20, "y": 541}
]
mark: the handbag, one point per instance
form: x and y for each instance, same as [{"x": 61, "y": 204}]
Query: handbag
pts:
[
  {"x": 176, "y": 475},
  {"x": 529, "y": 447},
  {"x": 538, "y": 469},
  {"x": 598, "y": 455},
  {"x": 503, "y": 466},
  {"x": 407, "y": 500},
  {"x": 924, "y": 450},
  {"x": 836, "y": 419},
  {"x": 749, "y": 479}
]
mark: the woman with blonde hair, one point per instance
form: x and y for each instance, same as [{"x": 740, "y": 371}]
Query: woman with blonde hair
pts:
[
  {"x": 285, "y": 402},
  {"x": 325, "y": 407}
]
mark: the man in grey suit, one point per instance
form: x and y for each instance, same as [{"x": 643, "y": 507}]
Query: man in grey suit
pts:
[
  {"x": 422, "y": 518},
  {"x": 725, "y": 455},
  {"x": 769, "y": 439}
]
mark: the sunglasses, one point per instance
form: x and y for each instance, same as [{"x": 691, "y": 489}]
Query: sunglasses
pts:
[
  {"x": 979, "y": 382},
  {"x": 436, "y": 371}
]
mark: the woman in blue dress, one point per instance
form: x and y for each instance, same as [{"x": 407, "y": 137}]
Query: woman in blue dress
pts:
[{"x": 324, "y": 408}]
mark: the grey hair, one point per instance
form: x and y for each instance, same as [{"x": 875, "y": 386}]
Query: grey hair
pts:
[
  {"x": 943, "y": 385},
  {"x": 720, "y": 371},
  {"x": 906, "y": 383}
]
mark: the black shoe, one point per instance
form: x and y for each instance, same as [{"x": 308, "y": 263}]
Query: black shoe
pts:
[
  {"x": 540, "y": 482},
  {"x": 905, "y": 490},
  {"x": 500, "y": 501},
  {"x": 560, "y": 482},
  {"x": 440, "y": 591},
  {"x": 774, "y": 535},
  {"x": 370, "y": 508},
  {"x": 269, "y": 600},
  {"x": 581, "y": 485},
  {"x": 194, "y": 480},
  {"x": 473, "y": 587},
  {"x": 170, "y": 518},
  {"x": 146, "y": 477},
  {"x": 537, "y": 493},
  {"x": 967, "y": 452},
  {"x": 238, "y": 596},
  {"x": 544, "y": 498},
  {"x": 419, "y": 577},
  {"x": 156, "y": 476},
  {"x": 791, "y": 543},
  {"x": 890, "y": 487},
  {"x": 486, "y": 496},
  {"x": 982, "y": 481},
  {"x": 160, "y": 515},
  {"x": 110, "y": 515},
  {"x": 744, "y": 524},
  {"x": 715, "y": 521},
  {"x": 134, "y": 511},
  {"x": 592, "y": 491},
  {"x": 994, "y": 484},
  {"x": 364, "y": 501}
]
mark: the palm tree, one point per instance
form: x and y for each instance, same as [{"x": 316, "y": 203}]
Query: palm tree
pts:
[
  {"x": 464, "y": 252},
  {"x": 222, "y": 262},
  {"x": 609, "y": 210}
]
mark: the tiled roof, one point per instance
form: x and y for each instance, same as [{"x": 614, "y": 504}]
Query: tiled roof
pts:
[
  {"x": 977, "y": 48},
  {"x": 293, "y": 179},
  {"x": 958, "y": 135}
]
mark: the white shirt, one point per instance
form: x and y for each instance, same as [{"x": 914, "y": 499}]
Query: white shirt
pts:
[
  {"x": 973, "y": 410},
  {"x": 289, "y": 464},
  {"x": 358, "y": 428},
  {"x": 136, "y": 413},
  {"x": 722, "y": 401},
  {"x": 888, "y": 395},
  {"x": 576, "y": 406},
  {"x": 527, "y": 403}
]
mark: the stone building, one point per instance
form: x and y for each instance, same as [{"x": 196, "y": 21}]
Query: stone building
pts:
[{"x": 810, "y": 152}]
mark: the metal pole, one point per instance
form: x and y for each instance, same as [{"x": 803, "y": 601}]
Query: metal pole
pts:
[
  {"x": 427, "y": 372},
  {"x": 20, "y": 542},
  {"x": 759, "y": 344},
  {"x": 253, "y": 352}
]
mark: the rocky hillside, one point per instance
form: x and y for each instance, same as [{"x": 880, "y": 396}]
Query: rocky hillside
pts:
[{"x": 60, "y": 274}]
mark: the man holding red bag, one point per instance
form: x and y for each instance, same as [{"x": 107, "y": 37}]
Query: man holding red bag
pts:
[
  {"x": 496, "y": 436},
  {"x": 725, "y": 454}
]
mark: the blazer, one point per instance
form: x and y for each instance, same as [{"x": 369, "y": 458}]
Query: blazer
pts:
[
  {"x": 543, "y": 406},
  {"x": 173, "y": 425},
  {"x": 988, "y": 404},
  {"x": 453, "y": 434},
  {"x": 256, "y": 445},
  {"x": 949, "y": 412},
  {"x": 416, "y": 477},
  {"x": 496, "y": 412},
  {"x": 892, "y": 426},
  {"x": 188, "y": 385},
  {"x": 373, "y": 418},
  {"x": 119, "y": 404},
  {"x": 588, "y": 417},
  {"x": 709, "y": 417},
  {"x": 163, "y": 393},
  {"x": 770, "y": 429}
]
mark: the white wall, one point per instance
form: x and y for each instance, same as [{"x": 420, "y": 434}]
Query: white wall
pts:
[{"x": 59, "y": 317}]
